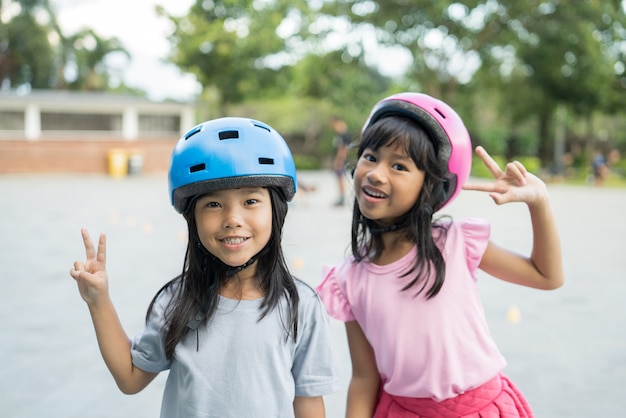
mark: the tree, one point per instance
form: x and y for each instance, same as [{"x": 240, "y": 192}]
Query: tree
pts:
[
  {"x": 340, "y": 78},
  {"x": 236, "y": 46},
  {"x": 563, "y": 55},
  {"x": 436, "y": 33},
  {"x": 34, "y": 50},
  {"x": 347, "y": 84},
  {"x": 26, "y": 56},
  {"x": 87, "y": 53},
  {"x": 547, "y": 52}
]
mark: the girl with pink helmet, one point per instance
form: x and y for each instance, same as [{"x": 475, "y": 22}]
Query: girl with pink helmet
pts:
[{"x": 418, "y": 338}]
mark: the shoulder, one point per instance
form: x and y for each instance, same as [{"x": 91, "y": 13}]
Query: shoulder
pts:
[
  {"x": 467, "y": 228},
  {"x": 166, "y": 295},
  {"x": 310, "y": 302},
  {"x": 169, "y": 289},
  {"x": 468, "y": 238},
  {"x": 305, "y": 291}
]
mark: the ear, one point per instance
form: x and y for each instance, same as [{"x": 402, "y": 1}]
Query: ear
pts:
[{"x": 352, "y": 170}]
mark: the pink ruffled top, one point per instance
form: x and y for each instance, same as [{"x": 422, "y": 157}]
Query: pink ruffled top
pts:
[{"x": 425, "y": 348}]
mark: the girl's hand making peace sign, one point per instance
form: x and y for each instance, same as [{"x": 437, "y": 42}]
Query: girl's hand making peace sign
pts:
[
  {"x": 514, "y": 184},
  {"x": 544, "y": 268},
  {"x": 91, "y": 275}
]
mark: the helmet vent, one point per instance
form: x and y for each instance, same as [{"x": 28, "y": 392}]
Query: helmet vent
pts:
[
  {"x": 262, "y": 127},
  {"x": 197, "y": 167},
  {"x": 266, "y": 161},
  {"x": 193, "y": 132},
  {"x": 228, "y": 135},
  {"x": 441, "y": 113}
]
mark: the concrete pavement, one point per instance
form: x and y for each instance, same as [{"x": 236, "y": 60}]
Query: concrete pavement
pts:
[{"x": 566, "y": 349}]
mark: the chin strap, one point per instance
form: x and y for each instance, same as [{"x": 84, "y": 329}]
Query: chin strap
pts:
[
  {"x": 230, "y": 271},
  {"x": 375, "y": 228},
  {"x": 234, "y": 270}
]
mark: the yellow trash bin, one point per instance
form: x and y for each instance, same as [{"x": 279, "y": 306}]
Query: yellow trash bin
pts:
[{"x": 118, "y": 162}]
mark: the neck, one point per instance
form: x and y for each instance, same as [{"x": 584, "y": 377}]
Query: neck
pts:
[
  {"x": 244, "y": 285},
  {"x": 395, "y": 246}
]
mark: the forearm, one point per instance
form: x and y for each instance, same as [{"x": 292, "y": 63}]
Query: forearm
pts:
[
  {"x": 115, "y": 348},
  {"x": 309, "y": 407},
  {"x": 546, "y": 253},
  {"x": 362, "y": 395}
]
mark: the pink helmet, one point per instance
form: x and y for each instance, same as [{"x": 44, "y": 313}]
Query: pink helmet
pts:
[{"x": 442, "y": 124}]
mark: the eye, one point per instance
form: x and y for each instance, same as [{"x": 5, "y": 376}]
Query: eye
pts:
[
  {"x": 212, "y": 204},
  {"x": 399, "y": 167},
  {"x": 251, "y": 202},
  {"x": 367, "y": 156}
]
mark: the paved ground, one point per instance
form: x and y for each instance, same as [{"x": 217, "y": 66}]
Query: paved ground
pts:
[{"x": 566, "y": 349}]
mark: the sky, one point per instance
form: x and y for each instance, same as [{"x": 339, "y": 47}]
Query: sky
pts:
[{"x": 142, "y": 33}]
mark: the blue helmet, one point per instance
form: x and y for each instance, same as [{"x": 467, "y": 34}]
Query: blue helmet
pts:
[{"x": 229, "y": 153}]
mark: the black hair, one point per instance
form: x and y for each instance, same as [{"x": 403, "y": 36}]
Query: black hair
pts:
[
  {"x": 418, "y": 224},
  {"x": 203, "y": 275}
]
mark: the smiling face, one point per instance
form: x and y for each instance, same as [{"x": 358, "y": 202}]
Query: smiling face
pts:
[
  {"x": 387, "y": 182},
  {"x": 234, "y": 224}
]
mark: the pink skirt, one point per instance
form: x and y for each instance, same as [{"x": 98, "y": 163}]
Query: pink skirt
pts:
[{"x": 499, "y": 397}]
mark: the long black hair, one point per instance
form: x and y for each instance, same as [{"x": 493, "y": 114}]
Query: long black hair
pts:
[
  {"x": 204, "y": 275},
  {"x": 418, "y": 224}
]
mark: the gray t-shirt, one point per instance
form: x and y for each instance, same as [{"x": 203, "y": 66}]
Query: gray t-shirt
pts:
[{"x": 238, "y": 366}]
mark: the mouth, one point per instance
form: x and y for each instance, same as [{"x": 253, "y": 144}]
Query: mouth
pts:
[
  {"x": 233, "y": 240},
  {"x": 374, "y": 193}
]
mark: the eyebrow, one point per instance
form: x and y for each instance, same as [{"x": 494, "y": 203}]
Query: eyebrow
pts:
[{"x": 401, "y": 156}]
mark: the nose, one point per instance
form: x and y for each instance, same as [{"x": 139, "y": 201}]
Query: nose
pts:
[
  {"x": 232, "y": 218},
  {"x": 376, "y": 174}
]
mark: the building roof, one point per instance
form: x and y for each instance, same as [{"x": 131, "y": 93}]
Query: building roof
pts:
[{"x": 84, "y": 101}]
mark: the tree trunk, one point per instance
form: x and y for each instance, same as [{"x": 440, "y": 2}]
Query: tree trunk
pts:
[{"x": 546, "y": 139}]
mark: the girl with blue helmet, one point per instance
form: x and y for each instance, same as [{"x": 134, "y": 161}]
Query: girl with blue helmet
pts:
[{"x": 240, "y": 336}]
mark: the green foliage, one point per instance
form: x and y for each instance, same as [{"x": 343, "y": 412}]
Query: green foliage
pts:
[
  {"x": 504, "y": 65},
  {"x": 619, "y": 167},
  {"x": 29, "y": 57},
  {"x": 340, "y": 78},
  {"x": 89, "y": 51},
  {"x": 235, "y": 45},
  {"x": 532, "y": 164},
  {"x": 289, "y": 115},
  {"x": 480, "y": 170},
  {"x": 303, "y": 122},
  {"x": 493, "y": 139},
  {"x": 306, "y": 162}
]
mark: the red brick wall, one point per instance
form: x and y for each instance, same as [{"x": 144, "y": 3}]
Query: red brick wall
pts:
[{"x": 72, "y": 156}]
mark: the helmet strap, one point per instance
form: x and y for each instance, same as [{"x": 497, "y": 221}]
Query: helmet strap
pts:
[
  {"x": 230, "y": 271},
  {"x": 376, "y": 229}
]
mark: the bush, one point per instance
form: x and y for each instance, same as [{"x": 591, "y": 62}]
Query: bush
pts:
[
  {"x": 532, "y": 164},
  {"x": 619, "y": 167},
  {"x": 480, "y": 170},
  {"x": 306, "y": 162}
]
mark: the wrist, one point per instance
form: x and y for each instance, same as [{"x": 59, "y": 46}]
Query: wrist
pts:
[{"x": 540, "y": 201}]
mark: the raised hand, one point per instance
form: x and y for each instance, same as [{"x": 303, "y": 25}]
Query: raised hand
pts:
[
  {"x": 514, "y": 184},
  {"x": 91, "y": 275}
]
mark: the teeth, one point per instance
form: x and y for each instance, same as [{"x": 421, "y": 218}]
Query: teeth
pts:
[
  {"x": 375, "y": 194},
  {"x": 233, "y": 241}
]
